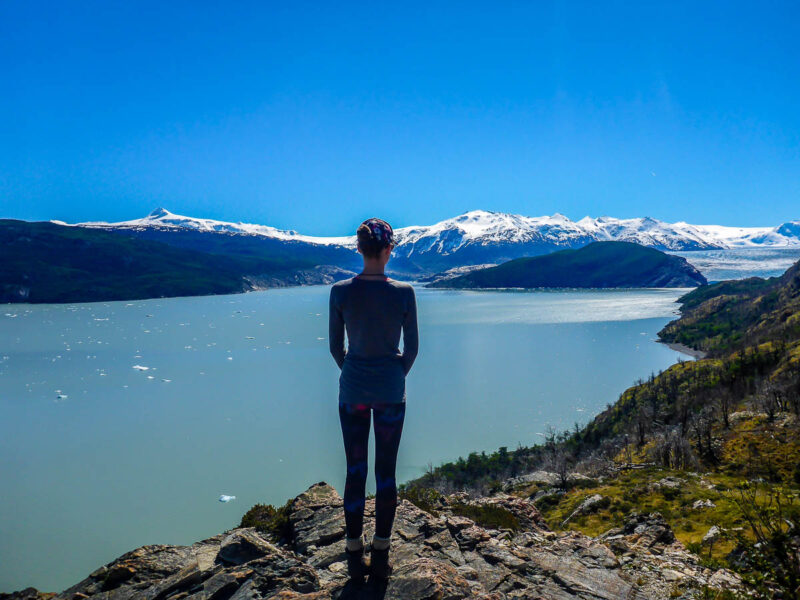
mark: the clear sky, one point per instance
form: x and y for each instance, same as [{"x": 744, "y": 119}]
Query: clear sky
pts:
[{"x": 316, "y": 116}]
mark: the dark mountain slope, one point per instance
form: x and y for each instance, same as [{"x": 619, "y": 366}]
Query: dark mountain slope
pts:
[
  {"x": 730, "y": 315},
  {"x": 597, "y": 265},
  {"x": 47, "y": 262}
]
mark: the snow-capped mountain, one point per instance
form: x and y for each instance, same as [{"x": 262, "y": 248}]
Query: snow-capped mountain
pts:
[
  {"x": 161, "y": 218},
  {"x": 481, "y": 237}
]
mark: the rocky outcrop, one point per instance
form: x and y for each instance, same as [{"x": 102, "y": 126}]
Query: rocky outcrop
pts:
[{"x": 445, "y": 556}]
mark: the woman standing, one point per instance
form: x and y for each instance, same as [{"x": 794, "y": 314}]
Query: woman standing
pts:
[{"x": 373, "y": 309}]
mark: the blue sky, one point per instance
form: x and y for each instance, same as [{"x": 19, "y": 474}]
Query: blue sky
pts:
[{"x": 314, "y": 116}]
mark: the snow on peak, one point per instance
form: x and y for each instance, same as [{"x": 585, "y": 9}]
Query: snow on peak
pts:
[
  {"x": 483, "y": 228},
  {"x": 159, "y": 213},
  {"x": 161, "y": 218}
]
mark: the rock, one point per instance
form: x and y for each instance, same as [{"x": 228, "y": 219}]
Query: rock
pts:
[
  {"x": 589, "y": 505},
  {"x": 244, "y": 545},
  {"x": 699, "y": 504},
  {"x": 669, "y": 482},
  {"x": 648, "y": 531},
  {"x": 425, "y": 578},
  {"x": 544, "y": 477},
  {"x": 711, "y": 536},
  {"x": 446, "y": 556},
  {"x": 27, "y": 594}
]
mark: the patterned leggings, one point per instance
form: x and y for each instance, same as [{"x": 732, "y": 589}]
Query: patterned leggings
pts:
[{"x": 355, "y": 420}]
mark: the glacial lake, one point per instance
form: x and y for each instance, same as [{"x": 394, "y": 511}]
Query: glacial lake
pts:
[{"x": 99, "y": 455}]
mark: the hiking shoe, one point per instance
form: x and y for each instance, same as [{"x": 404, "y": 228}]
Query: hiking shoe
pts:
[
  {"x": 379, "y": 563},
  {"x": 356, "y": 566}
]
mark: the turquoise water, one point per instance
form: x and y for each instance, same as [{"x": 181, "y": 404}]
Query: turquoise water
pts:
[{"x": 239, "y": 397}]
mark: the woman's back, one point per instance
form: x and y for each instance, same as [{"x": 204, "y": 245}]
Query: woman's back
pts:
[
  {"x": 373, "y": 310},
  {"x": 373, "y": 313}
]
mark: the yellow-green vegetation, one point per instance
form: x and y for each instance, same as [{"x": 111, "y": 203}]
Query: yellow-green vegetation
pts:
[
  {"x": 725, "y": 428},
  {"x": 759, "y": 446},
  {"x": 427, "y": 499},
  {"x": 487, "y": 515},
  {"x": 639, "y": 490}
]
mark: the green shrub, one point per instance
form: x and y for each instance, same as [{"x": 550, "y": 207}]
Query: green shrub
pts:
[
  {"x": 547, "y": 502},
  {"x": 489, "y": 516},
  {"x": 670, "y": 493},
  {"x": 270, "y": 520},
  {"x": 424, "y": 498}
]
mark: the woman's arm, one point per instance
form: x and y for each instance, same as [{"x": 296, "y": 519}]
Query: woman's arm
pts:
[
  {"x": 410, "y": 332},
  {"x": 336, "y": 329}
]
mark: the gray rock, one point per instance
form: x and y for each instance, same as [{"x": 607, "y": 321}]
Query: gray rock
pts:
[
  {"x": 445, "y": 556},
  {"x": 711, "y": 536},
  {"x": 589, "y": 505}
]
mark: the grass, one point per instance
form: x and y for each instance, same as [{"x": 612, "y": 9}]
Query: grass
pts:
[{"x": 634, "y": 491}]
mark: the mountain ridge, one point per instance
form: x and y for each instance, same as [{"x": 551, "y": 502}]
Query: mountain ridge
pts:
[
  {"x": 596, "y": 265},
  {"x": 495, "y": 226},
  {"x": 482, "y": 237}
]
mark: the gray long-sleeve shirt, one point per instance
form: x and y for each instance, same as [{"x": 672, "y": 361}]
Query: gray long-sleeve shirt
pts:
[{"x": 373, "y": 313}]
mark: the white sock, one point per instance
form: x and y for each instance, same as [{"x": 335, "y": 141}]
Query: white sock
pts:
[
  {"x": 380, "y": 543},
  {"x": 354, "y": 544}
]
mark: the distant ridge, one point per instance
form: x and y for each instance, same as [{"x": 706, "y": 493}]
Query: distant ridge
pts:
[
  {"x": 597, "y": 265},
  {"x": 478, "y": 237},
  {"x": 488, "y": 226},
  {"x": 48, "y": 262}
]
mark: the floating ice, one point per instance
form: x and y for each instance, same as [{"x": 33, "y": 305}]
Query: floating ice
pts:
[
  {"x": 150, "y": 377},
  {"x": 226, "y": 498},
  {"x": 166, "y": 380},
  {"x": 62, "y": 396},
  {"x": 141, "y": 368},
  {"x": 250, "y": 337}
]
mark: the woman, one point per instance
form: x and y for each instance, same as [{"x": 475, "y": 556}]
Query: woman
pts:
[{"x": 373, "y": 309}]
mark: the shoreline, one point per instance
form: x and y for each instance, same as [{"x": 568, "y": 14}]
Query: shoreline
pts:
[{"x": 683, "y": 349}]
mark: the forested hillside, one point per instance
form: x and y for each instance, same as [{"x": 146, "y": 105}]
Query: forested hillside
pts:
[
  {"x": 712, "y": 444},
  {"x": 597, "y": 265},
  {"x": 48, "y": 262}
]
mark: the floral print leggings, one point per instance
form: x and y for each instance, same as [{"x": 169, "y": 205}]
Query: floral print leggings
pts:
[{"x": 355, "y": 420}]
